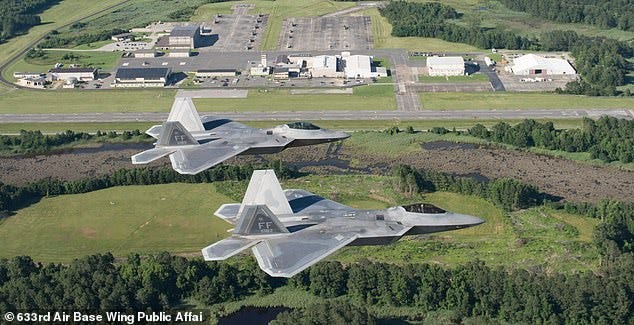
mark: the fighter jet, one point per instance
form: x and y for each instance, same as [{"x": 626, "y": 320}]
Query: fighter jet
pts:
[
  {"x": 288, "y": 231},
  {"x": 195, "y": 144}
]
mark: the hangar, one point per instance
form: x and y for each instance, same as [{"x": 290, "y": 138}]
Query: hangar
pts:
[
  {"x": 360, "y": 66},
  {"x": 445, "y": 65},
  {"x": 81, "y": 74},
  {"x": 531, "y": 64},
  {"x": 141, "y": 77},
  {"x": 184, "y": 37}
]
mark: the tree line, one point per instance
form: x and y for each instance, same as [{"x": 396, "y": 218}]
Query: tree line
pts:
[
  {"x": 36, "y": 142},
  {"x": 430, "y": 20},
  {"x": 601, "y": 63},
  {"x": 507, "y": 193},
  {"x": 15, "y": 197},
  {"x": 602, "y": 13},
  {"x": 163, "y": 282},
  {"x": 17, "y": 16},
  {"x": 608, "y": 138}
]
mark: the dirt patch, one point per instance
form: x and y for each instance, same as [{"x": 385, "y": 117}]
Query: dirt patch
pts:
[
  {"x": 88, "y": 232},
  {"x": 557, "y": 176}
]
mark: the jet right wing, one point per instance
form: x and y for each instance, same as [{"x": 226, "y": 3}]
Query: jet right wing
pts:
[
  {"x": 306, "y": 202},
  {"x": 285, "y": 256},
  {"x": 194, "y": 160}
]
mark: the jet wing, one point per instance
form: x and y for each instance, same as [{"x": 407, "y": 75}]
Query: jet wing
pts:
[
  {"x": 306, "y": 202},
  {"x": 288, "y": 255},
  {"x": 195, "y": 159}
]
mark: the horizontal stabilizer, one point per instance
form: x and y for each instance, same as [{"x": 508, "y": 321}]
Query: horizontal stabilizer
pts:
[
  {"x": 151, "y": 155},
  {"x": 227, "y": 248},
  {"x": 155, "y": 131},
  {"x": 228, "y": 212}
]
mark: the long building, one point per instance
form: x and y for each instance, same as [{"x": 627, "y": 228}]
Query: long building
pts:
[
  {"x": 531, "y": 64},
  {"x": 445, "y": 65},
  {"x": 141, "y": 77},
  {"x": 81, "y": 74}
]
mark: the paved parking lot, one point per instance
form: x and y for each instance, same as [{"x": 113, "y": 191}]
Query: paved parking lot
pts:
[
  {"x": 236, "y": 32},
  {"x": 531, "y": 83},
  {"x": 326, "y": 33}
]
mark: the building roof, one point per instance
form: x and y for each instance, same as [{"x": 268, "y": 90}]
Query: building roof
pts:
[
  {"x": 216, "y": 70},
  {"x": 190, "y": 31},
  {"x": 358, "y": 62},
  {"x": 72, "y": 70},
  {"x": 143, "y": 73},
  {"x": 325, "y": 62},
  {"x": 280, "y": 70},
  {"x": 532, "y": 61},
  {"x": 445, "y": 60}
]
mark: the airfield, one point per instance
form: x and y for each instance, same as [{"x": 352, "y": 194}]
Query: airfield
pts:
[{"x": 180, "y": 219}]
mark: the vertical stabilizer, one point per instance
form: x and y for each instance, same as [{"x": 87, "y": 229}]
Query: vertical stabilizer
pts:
[
  {"x": 184, "y": 111},
  {"x": 174, "y": 134},
  {"x": 265, "y": 189}
]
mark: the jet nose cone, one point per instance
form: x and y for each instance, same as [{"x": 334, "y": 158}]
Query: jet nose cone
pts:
[
  {"x": 465, "y": 220},
  {"x": 341, "y": 135}
]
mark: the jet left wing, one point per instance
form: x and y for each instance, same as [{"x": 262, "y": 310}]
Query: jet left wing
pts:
[
  {"x": 194, "y": 160},
  {"x": 288, "y": 255}
]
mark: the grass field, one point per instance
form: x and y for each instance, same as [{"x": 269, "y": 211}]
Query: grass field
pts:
[
  {"x": 177, "y": 218},
  {"x": 494, "y": 14},
  {"x": 101, "y": 60},
  {"x": 373, "y": 97},
  {"x": 454, "y": 79},
  {"x": 277, "y": 11},
  {"x": 12, "y": 128},
  {"x": 58, "y": 15},
  {"x": 382, "y": 29},
  {"x": 510, "y": 100}
]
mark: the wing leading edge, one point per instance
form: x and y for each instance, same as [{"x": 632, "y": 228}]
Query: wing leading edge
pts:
[{"x": 288, "y": 255}]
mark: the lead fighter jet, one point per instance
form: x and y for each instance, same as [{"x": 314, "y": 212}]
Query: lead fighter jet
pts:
[
  {"x": 290, "y": 230},
  {"x": 194, "y": 144}
]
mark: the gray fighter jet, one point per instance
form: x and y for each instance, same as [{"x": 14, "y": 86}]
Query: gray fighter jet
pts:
[
  {"x": 194, "y": 144},
  {"x": 290, "y": 230}
]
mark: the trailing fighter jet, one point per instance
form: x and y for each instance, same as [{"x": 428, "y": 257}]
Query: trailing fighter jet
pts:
[
  {"x": 194, "y": 144},
  {"x": 290, "y": 230}
]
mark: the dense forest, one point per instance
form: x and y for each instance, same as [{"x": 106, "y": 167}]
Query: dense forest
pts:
[
  {"x": 163, "y": 282},
  {"x": 509, "y": 194},
  {"x": 608, "y": 138},
  {"x": 17, "y": 16},
  {"x": 431, "y": 20},
  {"x": 601, "y": 63},
  {"x": 603, "y": 13}
]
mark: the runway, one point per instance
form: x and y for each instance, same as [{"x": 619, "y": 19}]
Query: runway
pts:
[{"x": 327, "y": 115}]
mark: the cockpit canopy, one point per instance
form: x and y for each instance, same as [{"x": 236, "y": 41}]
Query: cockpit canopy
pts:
[
  {"x": 302, "y": 126},
  {"x": 423, "y": 208}
]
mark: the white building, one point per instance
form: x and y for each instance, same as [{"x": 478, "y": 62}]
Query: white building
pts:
[
  {"x": 81, "y": 74},
  {"x": 445, "y": 65},
  {"x": 326, "y": 66},
  {"x": 179, "y": 53},
  {"x": 360, "y": 66},
  {"x": 145, "y": 53},
  {"x": 32, "y": 82},
  {"x": 531, "y": 64}
]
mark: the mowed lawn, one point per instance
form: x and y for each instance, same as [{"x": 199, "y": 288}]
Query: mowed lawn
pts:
[
  {"x": 178, "y": 218},
  {"x": 346, "y": 125},
  {"x": 382, "y": 29},
  {"x": 370, "y": 97},
  {"x": 277, "y": 11},
  {"x": 519, "y": 100},
  {"x": 145, "y": 219}
]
